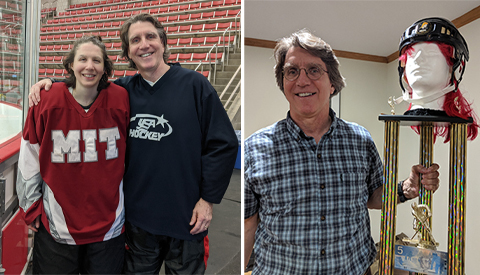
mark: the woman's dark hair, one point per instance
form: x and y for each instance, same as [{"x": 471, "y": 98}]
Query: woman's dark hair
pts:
[{"x": 107, "y": 63}]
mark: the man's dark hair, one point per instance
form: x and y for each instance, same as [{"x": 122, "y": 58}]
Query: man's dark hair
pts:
[{"x": 142, "y": 17}]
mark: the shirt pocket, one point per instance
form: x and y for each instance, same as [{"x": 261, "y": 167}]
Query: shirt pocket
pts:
[{"x": 353, "y": 193}]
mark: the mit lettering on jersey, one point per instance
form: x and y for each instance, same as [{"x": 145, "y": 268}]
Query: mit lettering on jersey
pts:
[{"x": 70, "y": 145}]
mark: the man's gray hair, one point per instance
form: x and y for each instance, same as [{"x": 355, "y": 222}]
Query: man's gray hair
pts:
[{"x": 314, "y": 46}]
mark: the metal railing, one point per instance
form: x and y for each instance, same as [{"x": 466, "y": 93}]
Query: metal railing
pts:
[{"x": 228, "y": 86}]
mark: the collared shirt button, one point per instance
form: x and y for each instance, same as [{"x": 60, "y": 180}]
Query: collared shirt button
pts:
[
  {"x": 322, "y": 186},
  {"x": 322, "y": 252},
  {"x": 319, "y": 155},
  {"x": 322, "y": 218}
]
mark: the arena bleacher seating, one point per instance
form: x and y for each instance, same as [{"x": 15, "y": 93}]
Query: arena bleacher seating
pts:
[{"x": 200, "y": 33}]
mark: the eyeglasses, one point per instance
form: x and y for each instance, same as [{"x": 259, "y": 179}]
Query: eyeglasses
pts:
[{"x": 291, "y": 73}]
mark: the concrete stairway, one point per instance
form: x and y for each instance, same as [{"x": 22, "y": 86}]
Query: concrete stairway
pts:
[{"x": 233, "y": 108}]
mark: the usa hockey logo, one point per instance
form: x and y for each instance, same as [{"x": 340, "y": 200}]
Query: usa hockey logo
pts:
[{"x": 148, "y": 127}]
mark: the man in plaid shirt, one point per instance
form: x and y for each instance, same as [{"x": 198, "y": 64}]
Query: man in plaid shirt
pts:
[{"x": 310, "y": 178}]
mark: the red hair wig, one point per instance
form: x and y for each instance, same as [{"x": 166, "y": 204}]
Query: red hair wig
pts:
[{"x": 455, "y": 105}]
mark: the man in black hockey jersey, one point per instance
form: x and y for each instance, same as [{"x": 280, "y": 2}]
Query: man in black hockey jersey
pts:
[{"x": 180, "y": 155}]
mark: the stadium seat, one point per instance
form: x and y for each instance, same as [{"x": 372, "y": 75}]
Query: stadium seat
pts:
[
  {"x": 112, "y": 34},
  {"x": 216, "y": 56},
  {"x": 172, "y": 18},
  {"x": 172, "y": 29},
  {"x": 117, "y": 45},
  {"x": 49, "y": 59},
  {"x": 204, "y": 73},
  {"x": 113, "y": 58},
  {"x": 223, "y": 26},
  {"x": 232, "y": 13},
  {"x": 49, "y": 72},
  {"x": 184, "y": 42},
  {"x": 172, "y": 42},
  {"x": 210, "y": 27},
  {"x": 227, "y": 40},
  {"x": 41, "y": 72},
  {"x": 197, "y": 28},
  {"x": 57, "y": 59},
  {"x": 183, "y": 17},
  {"x": 130, "y": 73},
  {"x": 184, "y": 57},
  {"x": 173, "y": 57},
  {"x": 220, "y": 14},
  {"x": 195, "y": 16},
  {"x": 118, "y": 73},
  {"x": 205, "y": 5},
  {"x": 198, "y": 41},
  {"x": 198, "y": 57},
  {"x": 185, "y": 28},
  {"x": 58, "y": 72},
  {"x": 207, "y": 15},
  {"x": 212, "y": 40},
  {"x": 194, "y": 6}
]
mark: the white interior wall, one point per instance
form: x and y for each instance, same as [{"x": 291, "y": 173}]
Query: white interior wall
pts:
[{"x": 369, "y": 85}]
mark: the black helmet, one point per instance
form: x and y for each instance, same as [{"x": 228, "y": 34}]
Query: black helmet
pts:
[{"x": 438, "y": 30}]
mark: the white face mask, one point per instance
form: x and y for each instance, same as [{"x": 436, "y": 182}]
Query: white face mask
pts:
[{"x": 428, "y": 75}]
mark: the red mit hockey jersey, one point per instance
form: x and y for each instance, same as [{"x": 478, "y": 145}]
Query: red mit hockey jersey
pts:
[{"x": 71, "y": 165}]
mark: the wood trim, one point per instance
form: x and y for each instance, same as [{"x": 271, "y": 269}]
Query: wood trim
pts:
[
  {"x": 392, "y": 57},
  {"x": 461, "y": 21},
  {"x": 360, "y": 56},
  {"x": 468, "y": 17},
  {"x": 351, "y": 55},
  {"x": 259, "y": 43}
]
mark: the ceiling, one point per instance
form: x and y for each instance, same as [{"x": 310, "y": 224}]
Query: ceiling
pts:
[{"x": 366, "y": 27}]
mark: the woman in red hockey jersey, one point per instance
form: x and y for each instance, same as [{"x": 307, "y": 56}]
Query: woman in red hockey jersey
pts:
[{"x": 71, "y": 166}]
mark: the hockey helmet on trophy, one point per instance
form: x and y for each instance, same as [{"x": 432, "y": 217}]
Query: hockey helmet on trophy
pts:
[{"x": 441, "y": 30}]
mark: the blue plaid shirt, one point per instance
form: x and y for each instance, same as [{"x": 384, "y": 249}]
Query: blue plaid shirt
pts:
[{"x": 311, "y": 198}]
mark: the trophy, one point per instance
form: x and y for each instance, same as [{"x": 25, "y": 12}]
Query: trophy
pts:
[{"x": 432, "y": 60}]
